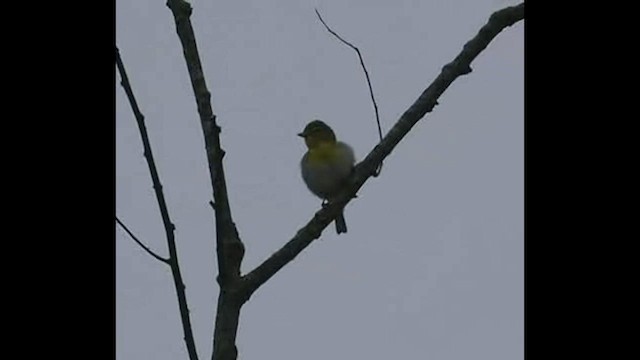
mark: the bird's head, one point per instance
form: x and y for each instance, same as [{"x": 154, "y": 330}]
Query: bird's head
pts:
[{"x": 317, "y": 133}]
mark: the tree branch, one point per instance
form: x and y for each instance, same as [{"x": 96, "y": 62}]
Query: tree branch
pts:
[
  {"x": 229, "y": 247},
  {"x": 166, "y": 261},
  {"x": 365, "y": 169},
  {"x": 168, "y": 225}
]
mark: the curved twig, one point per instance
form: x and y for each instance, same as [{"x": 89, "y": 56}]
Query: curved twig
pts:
[
  {"x": 366, "y": 73},
  {"x": 149, "y": 251}
]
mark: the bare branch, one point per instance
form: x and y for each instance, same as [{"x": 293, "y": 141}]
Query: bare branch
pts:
[
  {"x": 229, "y": 247},
  {"x": 168, "y": 225},
  {"x": 366, "y": 73},
  {"x": 148, "y": 154},
  {"x": 166, "y": 261},
  {"x": 365, "y": 169}
]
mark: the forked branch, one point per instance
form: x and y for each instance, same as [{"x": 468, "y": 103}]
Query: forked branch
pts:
[
  {"x": 168, "y": 225},
  {"x": 236, "y": 290},
  {"x": 229, "y": 247}
]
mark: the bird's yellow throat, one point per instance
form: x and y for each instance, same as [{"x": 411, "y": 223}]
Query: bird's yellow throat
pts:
[{"x": 323, "y": 153}]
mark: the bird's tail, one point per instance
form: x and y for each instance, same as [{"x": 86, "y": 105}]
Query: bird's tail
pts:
[{"x": 341, "y": 224}]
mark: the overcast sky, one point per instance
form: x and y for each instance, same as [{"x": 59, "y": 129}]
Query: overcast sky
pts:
[{"x": 432, "y": 265}]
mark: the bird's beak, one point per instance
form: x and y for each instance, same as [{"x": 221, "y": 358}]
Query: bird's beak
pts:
[{"x": 301, "y": 135}]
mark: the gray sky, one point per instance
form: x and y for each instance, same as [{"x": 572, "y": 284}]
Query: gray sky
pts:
[{"x": 432, "y": 265}]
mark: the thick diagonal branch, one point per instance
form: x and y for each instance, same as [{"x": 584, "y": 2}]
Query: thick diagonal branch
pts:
[
  {"x": 168, "y": 225},
  {"x": 229, "y": 247},
  {"x": 365, "y": 169}
]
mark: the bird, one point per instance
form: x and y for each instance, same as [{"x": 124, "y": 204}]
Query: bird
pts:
[{"x": 326, "y": 164}]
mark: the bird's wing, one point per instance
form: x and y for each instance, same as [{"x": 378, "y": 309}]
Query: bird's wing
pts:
[{"x": 347, "y": 157}]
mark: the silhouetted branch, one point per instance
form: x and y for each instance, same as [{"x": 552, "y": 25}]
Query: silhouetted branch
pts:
[
  {"x": 168, "y": 225},
  {"x": 166, "y": 261},
  {"x": 365, "y": 169},
  {"x": 366, "y": 73},
  {"x": 236, "y": 290},
  {"x": 229, "y": 247}
]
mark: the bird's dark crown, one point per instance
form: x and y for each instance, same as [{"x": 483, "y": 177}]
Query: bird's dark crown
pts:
[{"x": 314, "y": 127}]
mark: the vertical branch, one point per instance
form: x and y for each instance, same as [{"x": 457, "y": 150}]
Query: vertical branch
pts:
[
  {"x": 168, "y": 225},
  {"x": 229, "y": 247}
]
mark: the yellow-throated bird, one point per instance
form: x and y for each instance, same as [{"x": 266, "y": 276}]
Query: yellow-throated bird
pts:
[{"x": 326, "y": 164}]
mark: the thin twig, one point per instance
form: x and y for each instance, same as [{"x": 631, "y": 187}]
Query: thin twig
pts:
[
  {"x": 366, "y": 73},
  {"x": 166, "y": 261},
  {"x": 365, "y": 169},
  {"x": 164, "y": 212}
]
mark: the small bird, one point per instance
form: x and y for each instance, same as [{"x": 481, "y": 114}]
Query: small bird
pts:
[{"x": 326, "y": 164}]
